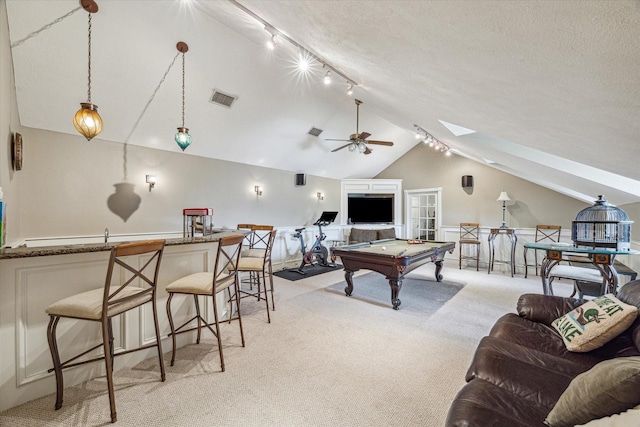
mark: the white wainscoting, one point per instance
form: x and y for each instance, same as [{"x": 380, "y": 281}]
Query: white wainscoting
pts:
[
  {"x": 29, "y": 285},
  {"x": 524, "y": 235},
  {"x": 502, "y": 248}
]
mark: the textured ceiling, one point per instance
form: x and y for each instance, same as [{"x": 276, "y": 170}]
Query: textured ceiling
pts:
[{"x": 551, "y": 88}]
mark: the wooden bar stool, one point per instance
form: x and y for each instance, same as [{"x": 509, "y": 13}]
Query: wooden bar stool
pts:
[
  {"x": 223, "y": 277},
  {"x": 138, "y": 287}
]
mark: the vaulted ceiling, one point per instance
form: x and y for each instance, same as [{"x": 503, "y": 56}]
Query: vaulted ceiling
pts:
[{"x": 545, "y": 90}]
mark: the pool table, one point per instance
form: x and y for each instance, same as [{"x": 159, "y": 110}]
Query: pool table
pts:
[{"x": 393, "y": 258}]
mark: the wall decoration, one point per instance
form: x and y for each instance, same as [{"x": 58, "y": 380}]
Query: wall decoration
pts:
[{"x": 16, "y": 151}]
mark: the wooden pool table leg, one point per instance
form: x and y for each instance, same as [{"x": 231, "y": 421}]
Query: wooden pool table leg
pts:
[
  {"x": 348, "y": 277},
  {"x": 395, "y": 284},
  {"x": 438, "y": 269}
]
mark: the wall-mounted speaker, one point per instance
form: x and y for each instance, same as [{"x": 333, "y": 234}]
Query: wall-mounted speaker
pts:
[
  {"x": 301, "y": 179},
  {"x": 467, "y": 181}
]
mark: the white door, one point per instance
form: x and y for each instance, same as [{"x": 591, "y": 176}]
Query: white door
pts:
[{"x": 423, "y": 213}]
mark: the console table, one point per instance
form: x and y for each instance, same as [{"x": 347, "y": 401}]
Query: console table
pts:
[
  {"x": 601, "y": 258},
  {"x": 511, "y": 234}
]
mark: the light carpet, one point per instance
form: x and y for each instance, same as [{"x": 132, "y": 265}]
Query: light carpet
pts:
[{"x": 325, "y": 360}]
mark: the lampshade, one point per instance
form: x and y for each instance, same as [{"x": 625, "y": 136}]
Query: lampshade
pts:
[
  {"x": 504, "y": 197},
  {"x": 87, "y": 120}
]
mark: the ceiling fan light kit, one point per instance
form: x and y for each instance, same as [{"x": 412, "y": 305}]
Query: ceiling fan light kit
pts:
[{"x": 358, "y": 141}]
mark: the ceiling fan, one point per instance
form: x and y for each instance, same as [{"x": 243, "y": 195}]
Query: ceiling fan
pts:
[{"x": 358, "y": 141}]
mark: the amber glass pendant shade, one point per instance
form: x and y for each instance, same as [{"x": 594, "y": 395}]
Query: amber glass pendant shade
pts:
[
  {"x": 87, "y": 120},
  {"x": 183, "y": 139}
]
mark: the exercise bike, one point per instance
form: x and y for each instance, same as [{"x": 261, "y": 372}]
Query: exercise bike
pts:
[{"x": 318, "y": 252}]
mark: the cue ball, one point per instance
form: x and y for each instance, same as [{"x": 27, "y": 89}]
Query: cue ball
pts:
[{"x": 384, "y": 248}]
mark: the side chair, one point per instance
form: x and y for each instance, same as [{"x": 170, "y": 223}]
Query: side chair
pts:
[
  {"x": 544, "y": 233},
  {"x": 135, "y": 284}
]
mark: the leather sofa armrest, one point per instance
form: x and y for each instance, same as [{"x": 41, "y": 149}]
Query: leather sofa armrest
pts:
[{"x": 545, "y": 308}]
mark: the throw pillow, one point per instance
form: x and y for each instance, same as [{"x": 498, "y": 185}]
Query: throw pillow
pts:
[
  {"x": 595, "y": 323},
  {"x": 630, "y": 418},
  {"x": 387, "y": 233},
  {"x": 608, "y": 388},
  {"x": 359, "y": 235}
]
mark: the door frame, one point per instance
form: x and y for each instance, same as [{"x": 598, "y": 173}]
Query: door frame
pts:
[{"x": 407, "y": 208}]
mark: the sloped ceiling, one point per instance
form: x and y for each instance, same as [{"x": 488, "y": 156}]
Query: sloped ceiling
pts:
[{"x": 545, "y": 90}]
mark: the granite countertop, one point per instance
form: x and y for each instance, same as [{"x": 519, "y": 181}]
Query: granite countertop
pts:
[{"x": 25, "y": 252}]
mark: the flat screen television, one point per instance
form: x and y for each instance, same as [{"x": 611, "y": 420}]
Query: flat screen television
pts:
[{"x": 363, "y": 208}]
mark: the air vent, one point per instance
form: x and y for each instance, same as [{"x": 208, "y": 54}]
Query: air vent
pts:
[
  {"x": 222, "y": 98},
  {"x": 314, "y": 131}
]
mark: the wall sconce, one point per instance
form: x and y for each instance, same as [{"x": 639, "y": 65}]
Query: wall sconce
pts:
[
  {"x": 320, "y": 195},
  {"x": 258, "y": 190},
  {"x": 151, "y": 180}
]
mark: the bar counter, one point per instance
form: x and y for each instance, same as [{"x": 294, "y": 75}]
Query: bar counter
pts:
[
  {"x": 32, "y": 278},
  {"x": 25, "y": 252}
]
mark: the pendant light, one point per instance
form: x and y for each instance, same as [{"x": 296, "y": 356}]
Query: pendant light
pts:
[
  {"x": 183, "y": 139},
  {"x": 87, "y": 121}
]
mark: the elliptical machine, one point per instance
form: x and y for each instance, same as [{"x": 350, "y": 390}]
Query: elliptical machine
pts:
[{"x": 318, "y": 252}]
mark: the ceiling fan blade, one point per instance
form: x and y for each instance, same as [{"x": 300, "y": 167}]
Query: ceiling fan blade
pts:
[
  {"x": 367, "y": 151},
  {"x": 364, "y": 135},
  {"x": 340, "y": 148},
  {"x": 387, "y": 143},
  {"x": 330, "y": 139}
]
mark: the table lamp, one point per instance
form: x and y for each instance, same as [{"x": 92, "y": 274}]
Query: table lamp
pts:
[{"x": 504, "y": 198}]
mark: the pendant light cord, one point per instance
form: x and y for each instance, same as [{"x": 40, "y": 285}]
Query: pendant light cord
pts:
[
  {"x": 46, "y": 27},
  {"x": 182, "y": 89},
  {"x": 89, "y": 67},
  {"x": 144, "y": 110}
]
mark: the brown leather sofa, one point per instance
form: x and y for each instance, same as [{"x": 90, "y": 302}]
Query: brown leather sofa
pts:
[{"x": 520, "y": 370}]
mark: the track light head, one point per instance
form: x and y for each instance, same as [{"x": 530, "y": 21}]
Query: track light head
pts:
[
  {"x": 272, "y": 42},
  {"x": 327, "y": 78},
  {"x": 350, "y": 89}
]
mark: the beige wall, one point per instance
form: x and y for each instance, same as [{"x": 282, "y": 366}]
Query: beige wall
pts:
[
  {"x": 68, "y": 181},
  {"x": 422, "y": 167},
  {"x": 9, "y": 123}
]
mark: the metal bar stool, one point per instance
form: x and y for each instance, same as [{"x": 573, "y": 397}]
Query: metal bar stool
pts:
[
  {"x": 258, "y": 269},
  {"x": 102, "y": 304},
  {"x": 224, "y": 276},
  {"x": 469, "y": 233}
]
